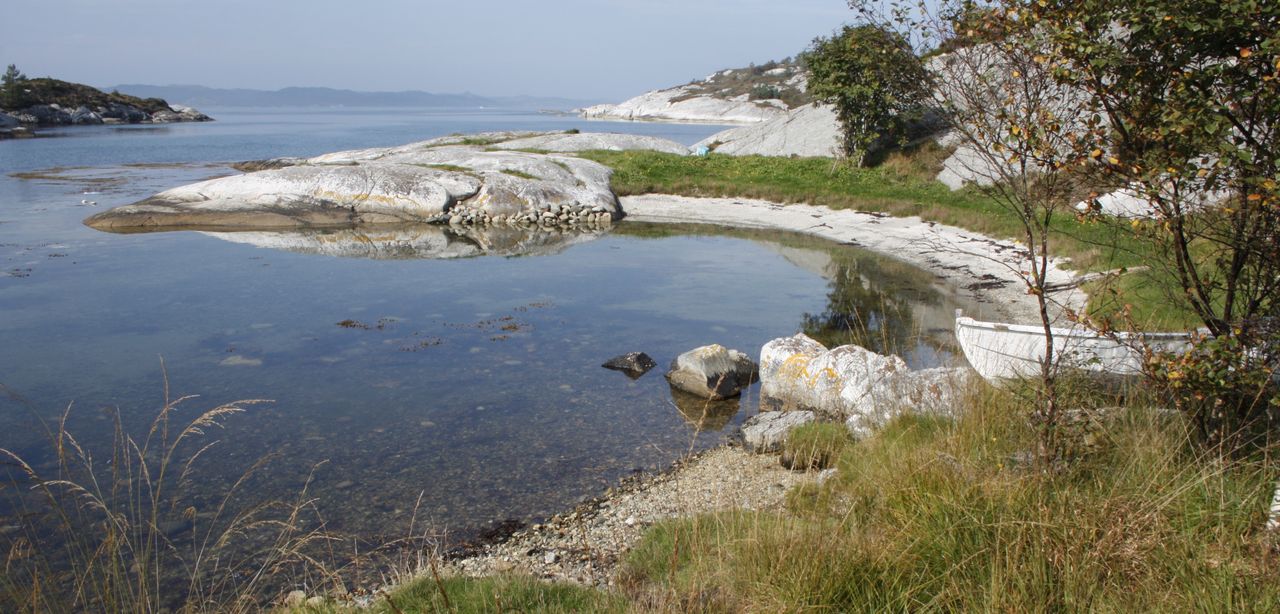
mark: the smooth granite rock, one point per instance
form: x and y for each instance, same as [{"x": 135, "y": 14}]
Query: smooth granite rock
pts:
[
  {"x": 768, "y": 430},
  {"x": 440, "y": 181},
  {"x": 712, "y": 372},
  {"x": 84, "y": 116},
  {"x": 808, "y": 131},
  {"x": 682, "y": 104},
  {"x": 585, "y": 141}
]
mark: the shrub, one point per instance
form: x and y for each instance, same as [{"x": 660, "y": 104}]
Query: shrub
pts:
[
  {"x": 1227, "y": 390},
  {"x": 764, "y": 92},
  {"x": 814, "y": 446}
]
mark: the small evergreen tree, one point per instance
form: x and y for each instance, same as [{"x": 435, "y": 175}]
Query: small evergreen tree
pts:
[{"x": 12, "y": 94}]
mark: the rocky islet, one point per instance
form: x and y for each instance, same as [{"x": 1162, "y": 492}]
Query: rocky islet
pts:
[{"x": 457, "y": 180}]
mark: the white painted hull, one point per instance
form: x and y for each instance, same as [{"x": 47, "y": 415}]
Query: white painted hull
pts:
[{"x": 1013, "y": 351}]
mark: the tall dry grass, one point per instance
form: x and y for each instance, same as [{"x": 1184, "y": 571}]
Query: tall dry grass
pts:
[
  {"x": 122, "y": 530},
  {"x": 936, "y": 515}
]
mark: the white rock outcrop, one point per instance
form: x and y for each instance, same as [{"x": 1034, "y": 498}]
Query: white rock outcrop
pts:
[
  {"x": 808, "y": 131},
  {"x": 685, "y": 104},
  {"x": 966, "y": 164},
  {"x": 979, "y": 88},
  {"x": 585, "y": 141},
  {"x": 712, "y": 372},
  {"x": 454, "y": 180},
  {"x": 1131, "y": 203},
  {"x": 852, "y": 384},
  {"x": 768, "y": 430}
]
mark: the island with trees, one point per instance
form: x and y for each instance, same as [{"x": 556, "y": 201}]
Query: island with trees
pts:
[{"x": 27, "y": 104}]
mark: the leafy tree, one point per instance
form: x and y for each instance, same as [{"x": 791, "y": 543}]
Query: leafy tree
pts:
[
  {"x": 872, "y": 78},
  {"x": 1189, "y": 95},
  {"x": 12, "y": 95},
  {"x": 1190, "y": 92},
  {"x": 1180, "y": 101},
  {"x": 1012, "y": 123}
]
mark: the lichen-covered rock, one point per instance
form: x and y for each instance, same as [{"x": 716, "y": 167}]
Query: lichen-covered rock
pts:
[
  {"x": 768, "y": 430},
  {"x": 934, "y": 392},
  {"x": 712, "y": 372},
  {"x": 440, "y": 181},
  {"x": 851, "y": 384}
]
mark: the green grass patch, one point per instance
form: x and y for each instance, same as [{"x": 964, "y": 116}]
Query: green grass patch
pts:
[
  {"x": 932, "y": 515},
  {"x": 480, "y": 141},
  {"x": 814, "y": 446},
  {"x": 453, "y": 168},
  {"x": 520, "y": 174},
  {"x": 486, "y": 595}
]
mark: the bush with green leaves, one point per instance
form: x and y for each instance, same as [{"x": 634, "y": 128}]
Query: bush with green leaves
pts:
[
  {"x": 1228, "y": 391},
  {"x": 764, "y": 92},
  {"x": 873, "y": 79}
]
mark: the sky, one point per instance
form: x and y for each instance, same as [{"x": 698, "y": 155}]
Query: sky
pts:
[{"x": 602, "y": 50}]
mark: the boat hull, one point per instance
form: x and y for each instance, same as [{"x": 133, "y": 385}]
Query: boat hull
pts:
[{"x": 1015, "y": 351}]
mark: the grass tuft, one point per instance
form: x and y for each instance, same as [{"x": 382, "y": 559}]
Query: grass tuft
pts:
[
  {"x": 520, "y": 174},
  {"x": 121, "y": 530},
  {"x": 814, "y": 446},
  {"x": 482, "y": 596}
]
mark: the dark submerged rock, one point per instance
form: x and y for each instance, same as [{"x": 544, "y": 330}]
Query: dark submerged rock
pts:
[{"x": 634, "y": 364}]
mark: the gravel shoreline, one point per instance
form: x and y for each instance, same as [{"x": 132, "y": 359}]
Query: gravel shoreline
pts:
[{"x": 585, "y": 546}]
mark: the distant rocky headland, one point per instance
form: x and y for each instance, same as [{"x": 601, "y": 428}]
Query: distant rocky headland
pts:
[{"x": 36, "y": 103}]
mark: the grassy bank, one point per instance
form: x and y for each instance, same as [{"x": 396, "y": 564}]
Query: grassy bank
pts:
[
  {"x": 904, "y": 184},
  {"x": 939, "y": 515},
  {"x": 931, "y": 515}
]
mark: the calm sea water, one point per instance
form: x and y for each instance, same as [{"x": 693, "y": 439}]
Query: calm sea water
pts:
[{"x": 473, "y": 383}]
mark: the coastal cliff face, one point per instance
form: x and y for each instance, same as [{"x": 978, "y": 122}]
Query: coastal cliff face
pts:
[
  {"x": 51, "y": 102},
  {"x": 734, "y": 96}
]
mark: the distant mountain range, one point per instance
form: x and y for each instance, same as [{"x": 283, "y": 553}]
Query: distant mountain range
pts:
[{"x": 200, "y": 96}]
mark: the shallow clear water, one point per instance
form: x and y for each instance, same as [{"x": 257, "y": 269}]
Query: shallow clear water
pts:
[{"x": 474, "y": 381}]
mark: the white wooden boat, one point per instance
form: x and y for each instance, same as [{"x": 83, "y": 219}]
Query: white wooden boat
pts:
[{"x": 1013, "y": 351}]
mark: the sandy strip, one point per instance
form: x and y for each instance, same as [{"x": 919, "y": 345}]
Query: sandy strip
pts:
[{"x": 980, "y": 267}]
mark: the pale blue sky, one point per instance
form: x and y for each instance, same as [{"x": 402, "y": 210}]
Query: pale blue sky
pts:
[{"x": 587, "y": 49}]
